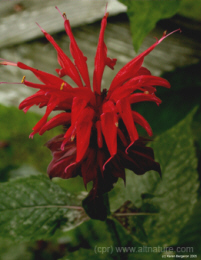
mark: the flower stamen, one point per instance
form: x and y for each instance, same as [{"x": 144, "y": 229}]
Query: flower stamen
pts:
[
  {"x": 62, "y": 86},
  {"x": 23, "y": 79},
  {"x": 64, "y": 15},
  {"x": 5, "y": 62}
]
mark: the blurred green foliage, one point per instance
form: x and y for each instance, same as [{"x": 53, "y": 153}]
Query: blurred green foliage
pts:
[
  {"x": 34, "y": 208},
  {"x": 144, "y": 15},
  {"x": 191, "y": 9},
  {"x": 17, "y": 148}
]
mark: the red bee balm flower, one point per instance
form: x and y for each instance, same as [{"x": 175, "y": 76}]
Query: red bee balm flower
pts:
[{"x": 101, "y": 138}]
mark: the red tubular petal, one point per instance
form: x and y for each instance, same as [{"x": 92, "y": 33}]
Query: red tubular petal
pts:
[
  {"x": 39, "y": 86},
  {"x": 123, "y": 92},
  {"x": 139, "y": 97},
  {"x": 143, "y": 71},
  {"x": 139, "y": 119},
  {"x": 61, "y": 72},
  {"x": 84, "y": 93},
  {"x": 131, "y": 68},
  {"x": 35, "y": 99},
  {"x": 108, "y": 107},
  {"x": 155, "y": 81},
  {"x": 109, "y": 125},
  {"x": 110, "y": 62},
  {"x": 60, "y": 119},
  {"x": 27, "y": 108},
  {"x": 148, "y": 89},
  {"x": 148, "y": 80},
  {"x": 145, "y": 81},
  {"x": 127, "y": 72},
  {"x": 64, "y": 105},
  {"x": 44, "y": 77},
  {"x": 69, "y": 133},
  {"x": 124, "y": 109},
  {"x": 101, "y": 59},
  {"x": 77, "y": 108},
  {"x": 51, "y": 105},
  {"x": 79, "y": 58},
  {"x": 109, "y": 129},
  {"x": 64, "y": 96},
  {"x": 119, "y": 91},
  {"x": 67, "y": 65},
  {"x": 83, "y": 132}
]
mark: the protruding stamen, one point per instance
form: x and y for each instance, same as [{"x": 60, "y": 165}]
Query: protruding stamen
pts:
[
  {"x": 106, "y": 9},
  {"x": 116, "y": 124},
  {"x": 126, "y": 151},
  {"x": 62, "y": 15},
  {"x": 43, "y": 31},
  {"x": 23, "y": 79},
  {"x": 72, "y": 138},
  {"x": 5, "y": 62},
  {"x": 66, "y": 169},
  {"x": 107, "y": 162},
  {"x": 146, "y": 92},
  {"x": 62, "y": 86},
  {"x": 165, "y": 32},
  {"x": 164, "y": 36}
]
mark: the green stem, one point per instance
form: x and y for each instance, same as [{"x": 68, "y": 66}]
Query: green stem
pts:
[{"x": 115, "y": 238}]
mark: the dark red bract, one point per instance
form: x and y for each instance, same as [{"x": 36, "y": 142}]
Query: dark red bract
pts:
[{"x": 101, "y": 139}]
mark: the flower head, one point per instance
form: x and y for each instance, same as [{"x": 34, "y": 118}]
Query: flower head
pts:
[{"x": 101, "y": 138}]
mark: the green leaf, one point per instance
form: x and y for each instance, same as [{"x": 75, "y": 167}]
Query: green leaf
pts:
[
  {"x": 191, "y": 9},
  {"x": 99, "y": 240},
  {"x": 144, "y": 15},
  {"x": 175, "y": 194},
  {"x": 134, "y": 224},
  {"x": 14, "y": 251},
  {"x": 74, "y": 185},
  {"x": 14, "y": 133},
  {"x": 190, "y": 234},
  {"x": 34, "y": 208}
]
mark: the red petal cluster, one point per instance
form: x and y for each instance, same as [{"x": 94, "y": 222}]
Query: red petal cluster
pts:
[{"x": 101, "y": 139}]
